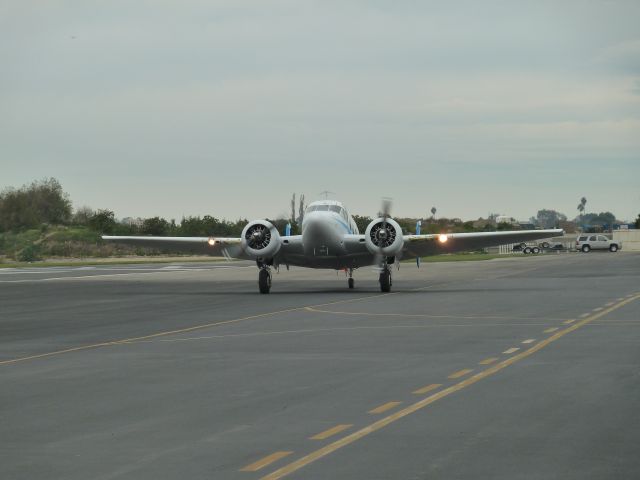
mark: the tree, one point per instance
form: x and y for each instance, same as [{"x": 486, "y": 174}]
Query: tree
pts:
[
  {"x": 581, "y": 206},
  {"x": 433, "y": 212},
  {"x": 301, "y": 210},
  {"x": 103, "y": 221},
  {"x": 362, "y": 222},
  {"x": 155, "y": 226},
  {"x": 82, "y": 216},
  {"x": 638, "y": 221},
  {"x": 31, "y": 205},
  {"x": 602, "y": 218},
  {"x": 549, "y": 218}
]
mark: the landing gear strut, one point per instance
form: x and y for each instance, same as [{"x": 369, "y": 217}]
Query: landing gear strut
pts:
[
  {"x": 351, "y": 282},
  {"x": 264, "y": 279},
  {"x": 385, "y": 279}
]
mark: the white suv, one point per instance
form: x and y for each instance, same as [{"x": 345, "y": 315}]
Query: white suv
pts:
[{"x": 586, "y": 243}]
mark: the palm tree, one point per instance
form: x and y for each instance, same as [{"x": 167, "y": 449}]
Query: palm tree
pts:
[
  {"x": 581, "y": 205},
  {"x": 433, "y": 212}
]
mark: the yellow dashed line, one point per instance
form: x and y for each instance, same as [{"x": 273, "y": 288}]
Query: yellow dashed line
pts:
[
  {"x": 383, "y": 422},
  {"x": 488, "y": 361},
  {"x": 263, "y": 462},
  {"x": 511, "y": 350},
  {"x": 384, "y": 407},
  {"x": 428, "y": 388},
  {"x": 461, "y": 373},
  {"x": 331, "y": 432},
  {"x": 549, "y": 330}
]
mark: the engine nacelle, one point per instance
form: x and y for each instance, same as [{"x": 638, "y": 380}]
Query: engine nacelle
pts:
[
  {"x": 260, "y": 240},
  {"x": 385, "y": 239}
]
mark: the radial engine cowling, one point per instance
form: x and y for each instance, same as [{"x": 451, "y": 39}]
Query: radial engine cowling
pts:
[
  {"x": 384, "y": 237},
  {"x": 260, "y": 239}
]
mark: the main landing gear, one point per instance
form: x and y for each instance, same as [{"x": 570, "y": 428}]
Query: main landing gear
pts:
[
  {"x": 264, "y": 278},
  {"x": 385, "y": 279},
  {"x": 351, "y": 282}
]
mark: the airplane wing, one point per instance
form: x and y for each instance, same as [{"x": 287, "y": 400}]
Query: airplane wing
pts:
[
  {"x": 423, "y": 245},
  {"x": 214, "y": 246}
]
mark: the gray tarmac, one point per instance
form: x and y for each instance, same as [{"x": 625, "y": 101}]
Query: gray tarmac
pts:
[{"x": 185, "y": 371}]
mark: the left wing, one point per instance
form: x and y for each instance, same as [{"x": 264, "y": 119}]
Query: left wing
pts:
[
  {"x": 422, "y": 245},
  {"x": 215, "y": 246}
]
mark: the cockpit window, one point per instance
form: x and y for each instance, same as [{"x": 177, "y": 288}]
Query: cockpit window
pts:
[
  {"x": 322, "y": 208},
  {"x": 335, "y": 208}
]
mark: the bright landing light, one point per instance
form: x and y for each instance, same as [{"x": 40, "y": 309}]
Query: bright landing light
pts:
[
  {"x": 443, "y": 238},
  {"x": 211, "y": 241}
]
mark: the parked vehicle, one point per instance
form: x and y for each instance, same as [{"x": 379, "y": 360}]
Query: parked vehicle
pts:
[
  {"x": 526, "y": 249},
  {"x": 586, "y": 243}
]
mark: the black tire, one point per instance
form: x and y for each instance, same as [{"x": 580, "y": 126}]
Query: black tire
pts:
[
  {"x": 545, "y": 245},
  {"x": 385, "y": 281},
  {"x": 264, "y": 281},
  {"x": 535, "y": 250},
  {"x": 613, "y": 247},
  {"x": 586, "y": 248},
  {"x": 526, "y": 250},
  {"x": 351, "y": 283}
]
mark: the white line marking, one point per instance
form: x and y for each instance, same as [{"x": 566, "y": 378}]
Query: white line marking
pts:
[
  {"x": 511, "y": 350},
  {"x": 530, "y": 340}
]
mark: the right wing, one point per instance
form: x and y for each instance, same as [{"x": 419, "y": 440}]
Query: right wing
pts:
[
  {"x": 215, "y": 246},
  {"x": 419, "y": 245}
]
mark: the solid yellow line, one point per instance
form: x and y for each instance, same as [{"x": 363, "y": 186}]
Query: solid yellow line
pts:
[
  {"x": 511, "y": 350},
  {"x": 263, "y": 462},
  {"x": 428, "y": 388},
  {"x": 549, "y": 330},
  {"x": 383, "y": 422},
  {"x": 461, "y": 373},
  {"x": 330, "y": 432},
  {"x": 488, "y": 361},
  {"x": 384, "y": 407}
]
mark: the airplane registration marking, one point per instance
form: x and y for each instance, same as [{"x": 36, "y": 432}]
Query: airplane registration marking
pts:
[
  {"x": 263, "y": 462},
  {"x": 331, "y": 432},
  {"x": 529, "y": 340},
  {"x": 384, "y": 407},
  {"x": 460, "y": 373},
  {"x": 426, "y": 389},
  {"x": 488, "y": 361},
  {"x": 550, "y": 330},
  {"x": 383, "y": 422},
  {"x": 511, "y": 350}
]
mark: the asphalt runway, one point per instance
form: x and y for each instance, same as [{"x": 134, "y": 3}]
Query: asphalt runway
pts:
[{"x": 510, "y": 368}]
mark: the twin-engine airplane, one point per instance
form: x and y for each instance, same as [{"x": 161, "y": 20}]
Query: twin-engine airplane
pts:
[{"x": 330, "y": 239}]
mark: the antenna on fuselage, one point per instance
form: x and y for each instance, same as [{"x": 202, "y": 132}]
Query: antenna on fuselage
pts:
[{"x": 326, "y": 194}]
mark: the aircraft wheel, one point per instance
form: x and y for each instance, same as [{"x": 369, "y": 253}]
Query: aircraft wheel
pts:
[
  {"x": 264, "y": 280},
  {"x": 351, "y": 283},
  {"x": 385, "y": 281}
]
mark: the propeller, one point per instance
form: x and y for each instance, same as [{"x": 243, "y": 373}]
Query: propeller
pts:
[
  {"x": 383, "y": 235},
  {"x": 258, "y": 237}
]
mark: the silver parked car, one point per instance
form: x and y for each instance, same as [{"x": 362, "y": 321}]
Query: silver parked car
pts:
[{"x": 586, "y": 243}]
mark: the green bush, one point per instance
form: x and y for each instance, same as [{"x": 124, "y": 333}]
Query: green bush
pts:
[{"x": 30, "y": 253}]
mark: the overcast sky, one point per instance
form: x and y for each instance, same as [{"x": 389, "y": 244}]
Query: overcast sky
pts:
[{"x": 186, "y": 107}]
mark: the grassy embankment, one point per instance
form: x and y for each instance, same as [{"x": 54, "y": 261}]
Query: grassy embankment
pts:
[{"x": 77, "y": 246}]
